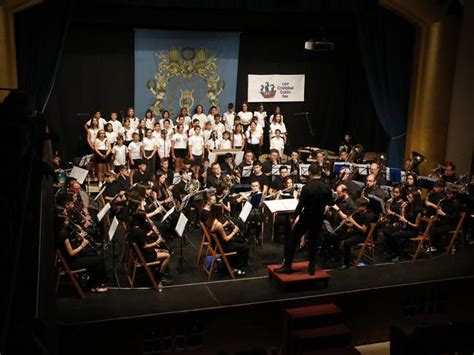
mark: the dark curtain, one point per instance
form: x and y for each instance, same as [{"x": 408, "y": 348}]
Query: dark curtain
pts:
[
  {"x": 96, "y": 73},
  {"x": 336, "y": 90},
  {"x": 386, "y": 44},
  {"x": 27, "y": 300},
  {"x": 40, "y": 33}
]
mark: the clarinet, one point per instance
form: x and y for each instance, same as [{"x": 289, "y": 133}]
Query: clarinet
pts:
[
  {"x": 84, "y": 236},
  {"x": 233, "y": 225}
]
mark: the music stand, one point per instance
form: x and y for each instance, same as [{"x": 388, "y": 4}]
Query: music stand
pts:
[
  {"x": 304, "y": 169},
  {"x": 111, "y": 233},
  {"x": 276, "y": 169},
  {"x": 179, "y": 229},
  {"x": 363, "y": 169},
  {"x": 247, "y": 170},
  {"x": 340, "y": 165}
]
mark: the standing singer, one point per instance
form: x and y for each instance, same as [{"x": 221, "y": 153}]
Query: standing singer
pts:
[{"x": 309, "y": 214}]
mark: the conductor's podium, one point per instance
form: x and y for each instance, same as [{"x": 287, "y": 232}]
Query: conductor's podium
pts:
[{"x": 299, "y": 279}]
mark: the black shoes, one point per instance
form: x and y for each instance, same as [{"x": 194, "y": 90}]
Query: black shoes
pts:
[
  {"x": 311, "y": 268},
  {"x": 284, "y": 270}
]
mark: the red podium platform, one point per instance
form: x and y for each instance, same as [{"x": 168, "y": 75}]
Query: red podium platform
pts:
[{"x": 299, "y": 279}]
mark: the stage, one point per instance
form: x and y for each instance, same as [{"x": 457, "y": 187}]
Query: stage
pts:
[{"x": 192, "y": 292}]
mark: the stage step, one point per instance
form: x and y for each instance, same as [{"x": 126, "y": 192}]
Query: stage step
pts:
[
  {"x": 314, "y": 316},
  {"x": 332, "y": 336}
]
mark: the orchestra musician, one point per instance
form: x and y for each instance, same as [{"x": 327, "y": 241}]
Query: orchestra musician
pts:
[
  {"x": 141, "y": 176},
  {"x": 449, "y": 174},
  {"x": 179, "y": 189},
  {"x": 309, "y": 213},
  {"x": 410, "y": 220},
  {"x": 356, "y": 227},
  {"x": 228, "y": 240},
  {"x": 259, "y": 176},
  {"x": 434, "y": 197},
  {"x": 165, "y": 167},
  {"x": 150, "y": 245},
  {"x": 248, "y": 160},
  {"x": 371, "y": 188},
  {"x": 346, "y": 144},
  {"x": 447, "y": 213},
  {"x": 379, "y": 178},
  {"x": 278, "y": 180},
  {"x": 210, "y": 200},
  {"x": 123, "y": 178},
  {"x": 80, "y": 253},
  {"x": 216, "y": 176},
  {"x": 273, "y": 159},
  {"x": 295, "y": 165}
]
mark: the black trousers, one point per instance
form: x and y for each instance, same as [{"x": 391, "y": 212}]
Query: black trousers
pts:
[
  {"x": 241, "y": 259},
  {"x": 396, "y": 239},
  {"x": 349, "y": 240},
  {"x": 304, "y": 225},
  {"x": 95, "y": 267}
]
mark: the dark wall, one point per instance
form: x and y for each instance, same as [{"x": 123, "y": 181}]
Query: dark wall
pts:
[
  {"x": 336, "y": 91},
  {"x": 96, "y": 73}
]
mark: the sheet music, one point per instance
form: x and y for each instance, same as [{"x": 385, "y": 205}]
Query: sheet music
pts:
[
  {"x": 113, "y": 228},
  {"x": 167, "y": 214},
  {"x": 247, "y": 170},
  {"x": 176, "y": 178},
  {"x": 79, "y": 174},
  {"x": 239, "y": 156},
  {"x": 86, "y": 159},
  {"x": 244, "y": 214},
  {"x": 304, "y": 169},
  {"x": 212, "y": 157},
  {"x": 181, "y": 224},
  {"x": 184, "y": 202},
  {"x": 103, "y": 211},
  {"x": 363, "y": 168},
  {"x": 100, "y": 192},
  {"x": 286, "y": 205},
  {"x": 276, "y": 168}
]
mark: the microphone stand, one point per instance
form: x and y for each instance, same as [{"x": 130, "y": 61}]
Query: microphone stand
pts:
[{"x": 306, "y": 116}]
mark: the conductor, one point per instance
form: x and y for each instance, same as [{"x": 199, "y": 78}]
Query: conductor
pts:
[{"x": 309, "y": 214}]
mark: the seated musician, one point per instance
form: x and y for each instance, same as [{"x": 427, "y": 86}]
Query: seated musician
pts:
[
  {"x": 379, "y": 178},
  {"x": 223, "y": 198},
  {"x": 141, "y": 176},
  {"x": 410, "y": 183},
  {"x": 75, "y": 214},
  {"x": 210, "y": 200},
  {"x": 229, "y": 167},
  {"x": 248, "y": 160},
  {"x": 326, "y": 166},
  {"x": 371, "y": 188},
  {"x": 204, "y": 171},
  {"x": 216, "y": 176},
  {"x": 150, "y": 245},
  {"x": 259, "y": 176},
  {"x": 353, "y": 189},
  {"x": 410, "y": 219},
  {"x": 179, "y": 189},
  {"x": 356, "y": 228},
  {"x": 82, "y": 199},
  {"x": 346, "y": 144},
  {"x": 228, "y": 241},
  {"x": 81, "y": 253},
  {"x": 283, "y": 220},
  {"x": 111, "y": 186},
  {"x": 295, "y": 165},
  {"x": 449, "y": 175},
  {"x": 274, "y": 159},
  {"x": 123, "y": 178},
  {"x": 434, "y": 197},
  {"x": 162, "y": 192},
  {"x": 448, "y": 213},
  {"x": 254, "y": 219},
  {"x": 343, "y": 155},
  {"x": 277, "y": 183},
  {"x": 165, "y": 167}
]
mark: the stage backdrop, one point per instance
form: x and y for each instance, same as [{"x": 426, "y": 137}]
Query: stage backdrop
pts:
[
  {"x": 275, "y": 88},
  {"x": 175, "y": 69}
]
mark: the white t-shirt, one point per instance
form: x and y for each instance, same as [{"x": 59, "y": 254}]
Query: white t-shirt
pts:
[
  {"x": 214, "y": 144},
  {"x": 116, "y": 125},
  {"x": 245, "y": 117},
  {"x": 126, "y": 133},
  {"x": 206, "y": 134},
  {"x": 275, "y": 126},
  {"x": 238, "y": 140},
  {"x": 210, "y": 118},
  {"x": 164, "y": 147},
  {"x": 135, "y": 150},
  {"x": 92, "y": 134},
  {"x": 271, "y": 118},
  {"x": 229, "y": 120},
  {"x": 226, "y": 144},
  {"x": 102, "y": 122},
  {"x": 277, "y": 143},
  {"x": 197, "y": 144},
  {"x": 134, "y": 122},
  {"x": 148, "y": 143},
  {"x": 150, "y": 122},
  {"x": 156, "y": 134},
  {"x": 180, "y": 140},
  {"x": 201, "y": 117},
  {"x": 120, "y": 154},
  {"x": 101, "y": 144},
  {"x": 253, "y": 137},
  {"x": 111, "y": 136},
  {"x": 261, "y": 117},
  {"x": 220, "y": 128}
]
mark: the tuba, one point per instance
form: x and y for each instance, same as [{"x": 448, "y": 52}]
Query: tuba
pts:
[
  {"x": 416, "y": 159},
  {"x": 356, "y": 151},
  {"x": 192, "y": 186}
]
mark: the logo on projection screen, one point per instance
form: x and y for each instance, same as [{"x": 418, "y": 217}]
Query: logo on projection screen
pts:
[{"x": 267, "y": 90}]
